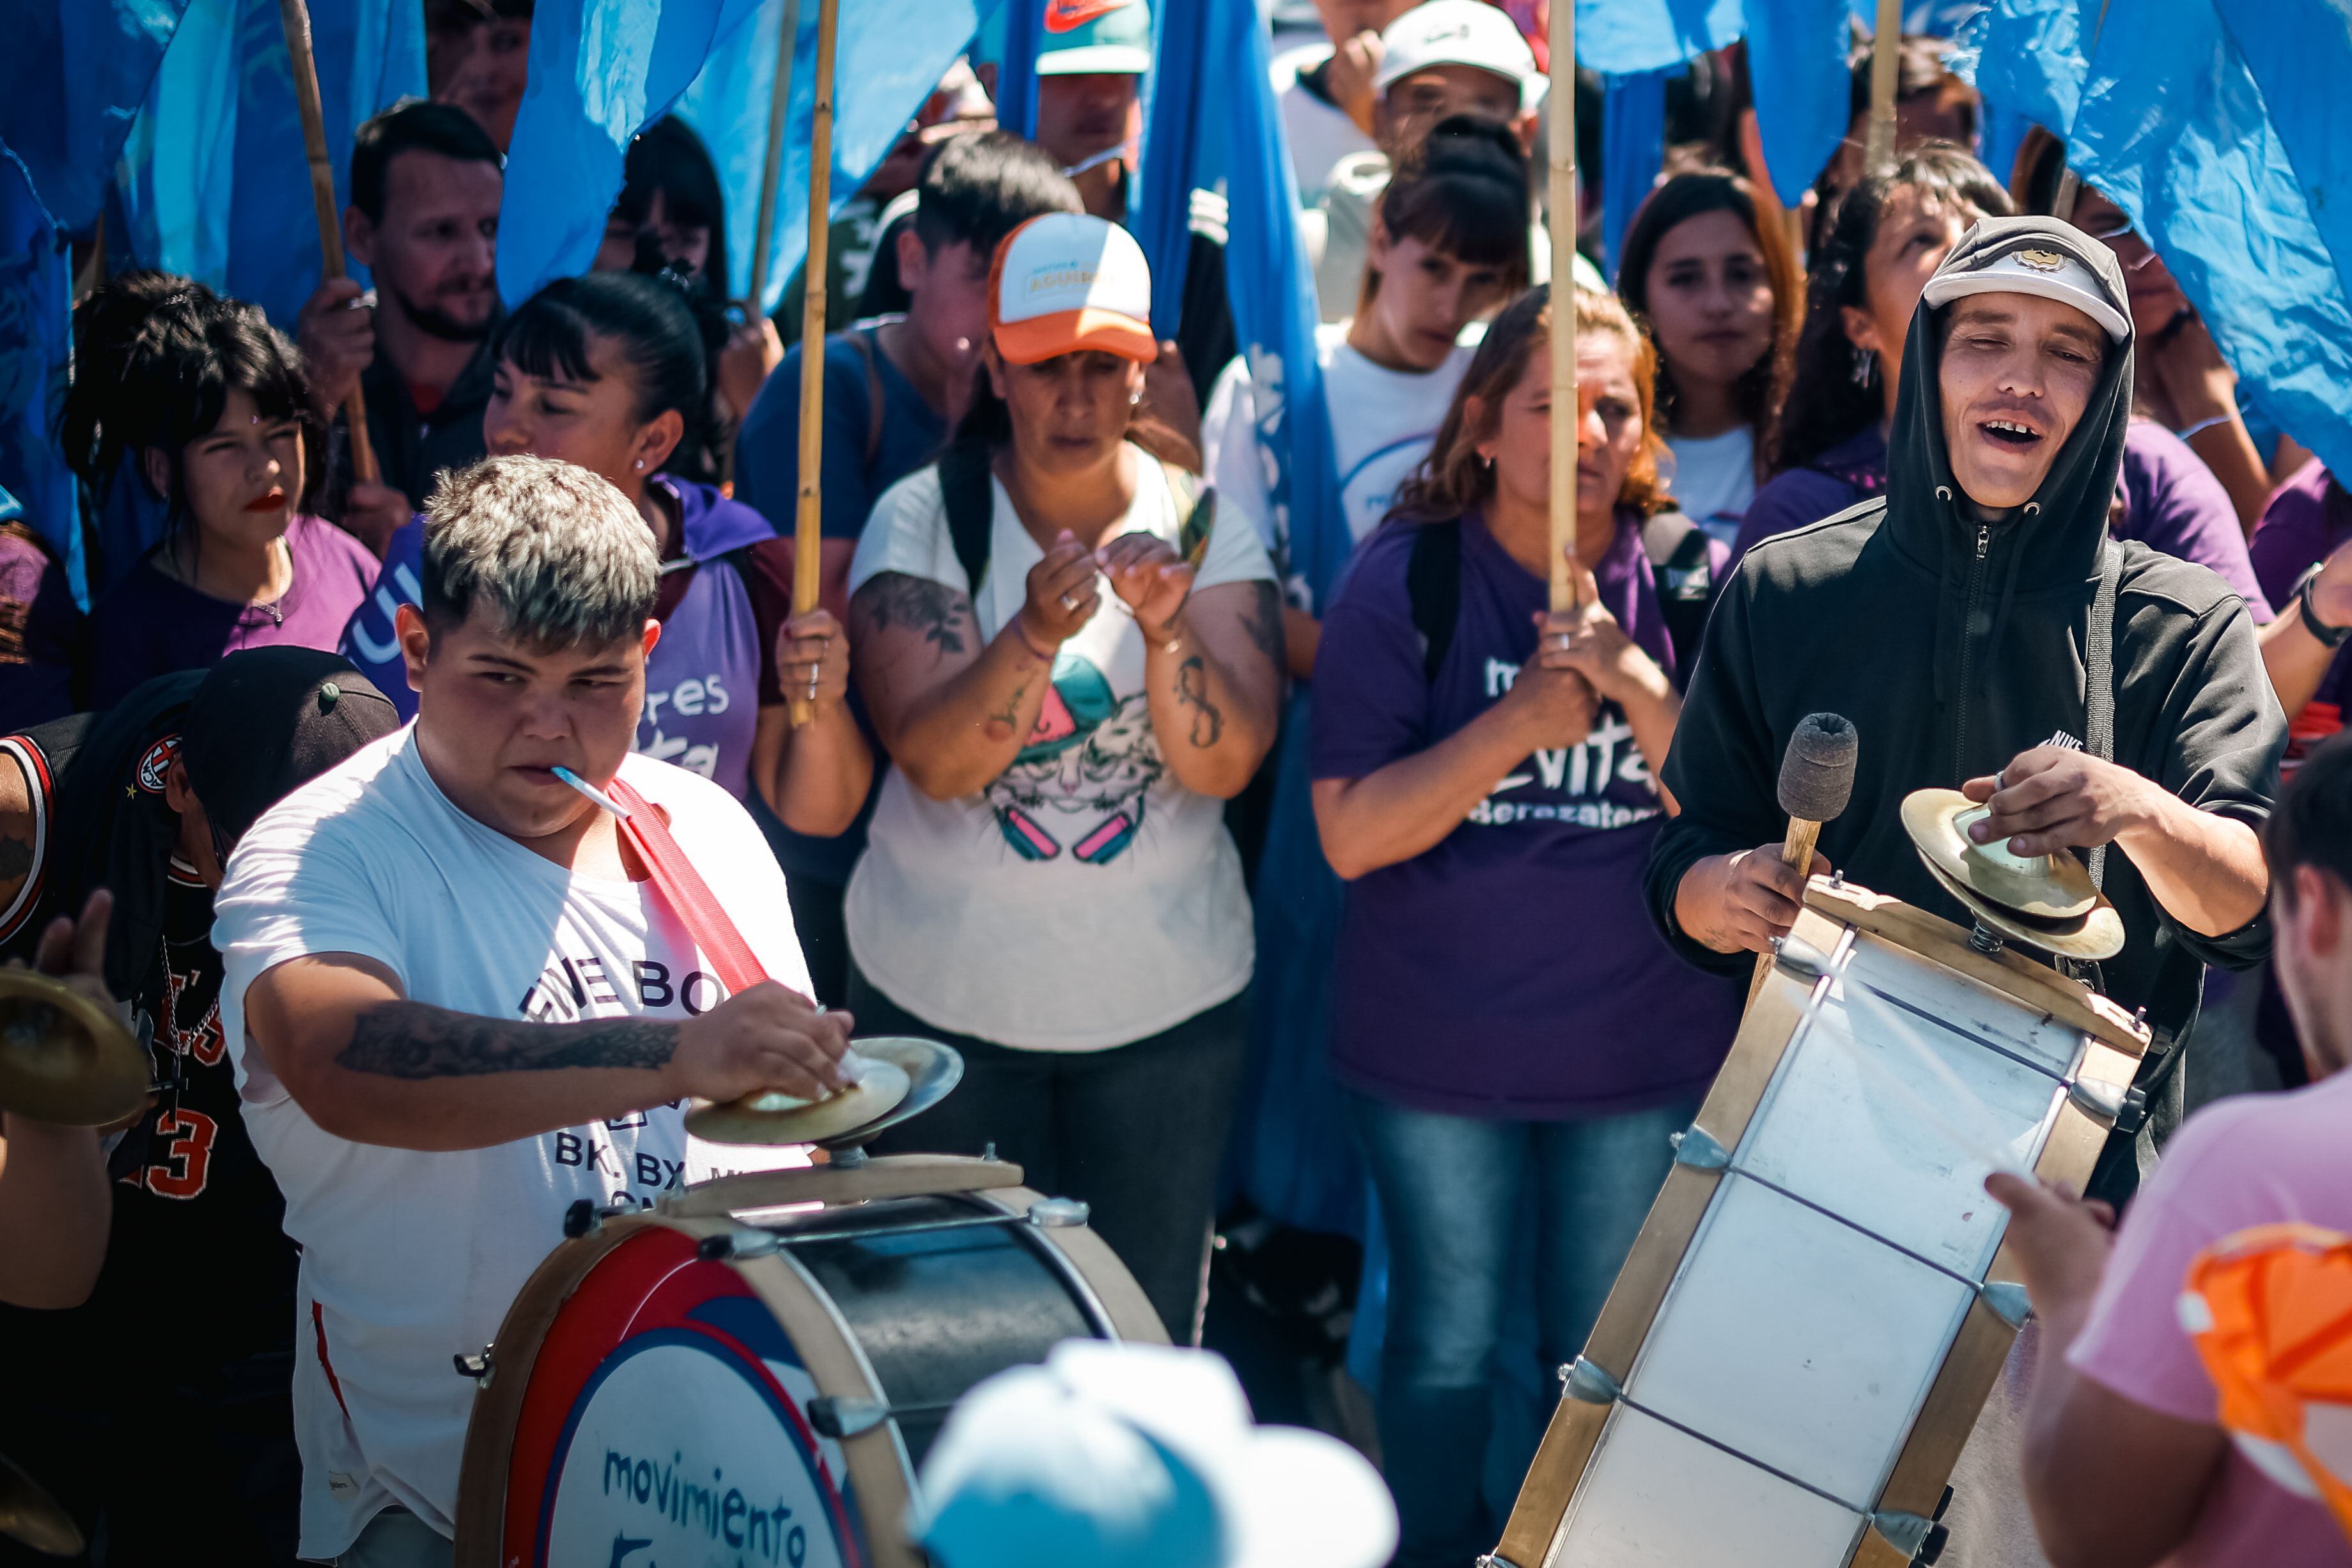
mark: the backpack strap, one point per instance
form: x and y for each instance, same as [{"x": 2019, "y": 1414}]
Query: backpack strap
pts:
[
  {"x": 1683, "y": 571},
  {"x": 863, "y": 342},
  {"x": 969, "y": 492},
  {"x": 1433, "y": 588},
  {"x": 2099, "y": 677}
]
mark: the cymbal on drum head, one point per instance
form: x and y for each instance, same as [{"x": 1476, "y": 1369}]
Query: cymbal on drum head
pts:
[
  {"x": 776, "y": 1118},
  {"x": 31, "y": 1517},
  {"x": 64, "y": 1057},
  {"x": 2098, "y": 934},
  {"x": 2038, "y": 887}
]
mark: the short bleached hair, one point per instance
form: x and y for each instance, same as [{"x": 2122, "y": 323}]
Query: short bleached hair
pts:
[{"x": 555, "y": 549}]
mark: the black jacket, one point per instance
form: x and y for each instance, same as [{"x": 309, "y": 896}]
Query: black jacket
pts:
[
  {"x": 412, "y": 449},
  {"x": 1954, "y": 645}
]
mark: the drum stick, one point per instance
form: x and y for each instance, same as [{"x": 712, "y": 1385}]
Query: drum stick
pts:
[
  {"x": 1565, "y": 409},
  {"x": 295, "y": 16},
  {"x": 1816, "y": 782},
  {"x": 808, "y": 526}
]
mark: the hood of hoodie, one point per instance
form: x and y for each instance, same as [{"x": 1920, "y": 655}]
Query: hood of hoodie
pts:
[
  {"x": 2051, "y": 547},
  {"x": 710, "y": 523}
]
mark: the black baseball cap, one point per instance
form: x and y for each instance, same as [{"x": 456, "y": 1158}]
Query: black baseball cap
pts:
[{"x": 267, "y": 721}]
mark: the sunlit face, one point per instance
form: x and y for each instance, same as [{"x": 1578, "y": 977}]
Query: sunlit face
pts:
[
  {"x": 1608, "y": 438},
  {"x": 2156, "y": 298},
  {"x": 947, "y": 301},
  {"x": 1071, "y": 412},
  {"x": 435, "y": 255},
  {"x": 592, "y": 422},
  {"x": 495, "y": 714},
  {"x": 1402, "y": 118},
  {"x": 242, "y": 479},
  {"x": 1078, "y": 116},
  {"x": 1916, "y": 232},
  {"x": 1427, "y": 297},
  {"x": 2018, "y": 372},
  {"x": 1710, "y": 300}
]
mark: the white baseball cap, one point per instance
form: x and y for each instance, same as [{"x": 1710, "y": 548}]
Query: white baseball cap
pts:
[
  {"x": 1460, "y": 33},
  {"x": 1065, "y": 282},
  {"x": 2041, "y": 269},
  {"x": 1136, "y": 1456}
]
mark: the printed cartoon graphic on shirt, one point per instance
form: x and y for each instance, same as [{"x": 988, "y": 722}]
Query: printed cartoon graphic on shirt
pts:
[
  {"x": 1604, "y": 783},
  {"x": 1080, "y": 782}
]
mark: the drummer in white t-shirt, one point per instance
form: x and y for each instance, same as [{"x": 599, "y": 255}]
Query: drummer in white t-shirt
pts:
[
  {"x": 453, "y": 1009},
  {"x": 1448, "y": 246}
]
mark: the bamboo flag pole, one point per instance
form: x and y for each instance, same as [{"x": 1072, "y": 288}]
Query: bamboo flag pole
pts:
[
  {"x": 1885, "y": 55},
  {"x": 295, "y": 16},
  {"x": 788, "y": 37},
  {"x": 1564, "y": 408},
  {"x": 808, "y": 529}
]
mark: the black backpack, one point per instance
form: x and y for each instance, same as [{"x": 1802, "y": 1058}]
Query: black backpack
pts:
[
  {"x": 964, "y": 487},
  {"x": 1679, "y": 568}
]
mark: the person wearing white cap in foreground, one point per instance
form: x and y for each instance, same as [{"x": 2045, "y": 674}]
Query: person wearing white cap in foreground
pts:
[{"x": 1134, "y": 1456}]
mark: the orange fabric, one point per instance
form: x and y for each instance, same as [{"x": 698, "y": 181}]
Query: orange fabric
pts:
[{"x": 2269, "y": 1310}]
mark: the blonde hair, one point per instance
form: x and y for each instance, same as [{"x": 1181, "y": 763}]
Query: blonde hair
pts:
[{"x": 1454, "y": 480}]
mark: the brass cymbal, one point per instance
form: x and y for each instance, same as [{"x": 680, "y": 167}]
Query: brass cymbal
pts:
[
  {"x": 931, "y": 1069},
  {"x": 2098, "y": 934},
  {"x": 31, "y": 1517},
  {"x": 774, "y": 1118},
  {"x": 64, "y": 1057},
  {"x": 2040, "y": 887}
]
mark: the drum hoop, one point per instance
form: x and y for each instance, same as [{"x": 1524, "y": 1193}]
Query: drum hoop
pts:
[{"x": 1834, "y": 914}]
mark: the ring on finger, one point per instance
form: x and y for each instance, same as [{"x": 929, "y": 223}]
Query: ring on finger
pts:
[
  {"x": 2000, "y": 781},
  {"x": 1069, "y": 604}
]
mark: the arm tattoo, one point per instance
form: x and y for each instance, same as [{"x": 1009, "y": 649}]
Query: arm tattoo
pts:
[
  {"x": 1192, "y": 691},
  {"x": 1262, "y": 621},
  {"x": 412, "y": 1040},
  {"x": 932, "y": 610},
  {"x": 16, "y": 858},
  {"x": 1001, "y": 726}
]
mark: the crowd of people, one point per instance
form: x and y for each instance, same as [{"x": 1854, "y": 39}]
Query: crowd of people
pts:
[{"x": 289, "y": 787}]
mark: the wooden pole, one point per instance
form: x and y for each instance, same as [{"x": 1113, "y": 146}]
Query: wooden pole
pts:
[
  {"x": 808, "y": 526},
  {"x": 295, "y": 16},
  {"x": 788, "y": 37},
  {"x": 1564, "y": 406},
  {"x": 1885, "y": 55}
]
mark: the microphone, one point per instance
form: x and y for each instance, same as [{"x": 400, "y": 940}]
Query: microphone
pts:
[{"x": 1816, "y": 782}]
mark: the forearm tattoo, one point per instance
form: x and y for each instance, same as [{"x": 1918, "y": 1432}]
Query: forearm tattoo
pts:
[
  {"x": 1262, "y": 621},
  {"x": 1004, "y": 723},
  {"x": 16, "y": 858},
  {"x": 412, "y": 1040},
  {"x": 1192, "y": 691},
  {"x": 933, "y": 611}
]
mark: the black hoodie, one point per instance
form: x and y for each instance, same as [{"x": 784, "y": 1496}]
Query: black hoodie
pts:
[{"x": 1954, "y": 645}]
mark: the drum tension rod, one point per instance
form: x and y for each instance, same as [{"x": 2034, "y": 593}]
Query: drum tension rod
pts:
[{"x": 839, "y": 1415}]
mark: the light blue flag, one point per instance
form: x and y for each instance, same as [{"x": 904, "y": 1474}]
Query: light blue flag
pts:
[
  {"x": 35, "y": 342},
  {"x": 888, "y": 56},
  {"x": 1798, "y": 69},
  {"x": 214, "y": 182},
  {"x": 1632, "y": 149},
  {"x": 1023, "y": 25},
  {"x": 77, "y": 72},
  {"x": 1621, "y": 38}
]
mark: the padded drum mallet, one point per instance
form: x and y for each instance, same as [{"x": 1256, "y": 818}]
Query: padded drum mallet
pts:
[{"x": 1816, "y": 782}]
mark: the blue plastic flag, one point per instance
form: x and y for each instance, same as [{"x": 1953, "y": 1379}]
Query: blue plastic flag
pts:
[
  {"x": 2030, "y": 56},
  {"x": 36, "y": 341},
  {"x": 1621, "y": 38},
  {"x": 78, "y": 71},
  {"x": 214, "y": 182},
  {"x": 1016, "y": 67},
  {"x": 1632, "y": 149},
  {"x": 888, "y": 56},
  {"x": 1798, "y": 69}
]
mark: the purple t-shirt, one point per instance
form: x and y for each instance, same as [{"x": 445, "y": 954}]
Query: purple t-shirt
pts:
[
  {"x": 2308, "y": 518},
  {"x": 1511, "y": 971},
  {"x": 702, "y": 683},
  {"x": 2172, "y": 503},
  {"x": 41, "y": 631},
  {"x": 149, "y": 624}
]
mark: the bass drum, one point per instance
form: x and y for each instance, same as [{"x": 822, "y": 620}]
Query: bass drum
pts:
[{"x": 753, "y": 1371}]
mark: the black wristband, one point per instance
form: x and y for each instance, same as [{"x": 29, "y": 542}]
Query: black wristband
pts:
[{"x": 2328, "y": 636}]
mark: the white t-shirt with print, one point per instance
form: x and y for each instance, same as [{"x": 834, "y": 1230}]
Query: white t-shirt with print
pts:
[
  {"x": 1712, "y": 478},
  {"x": 1382, "y": 422},
  {"x": 1084, "y": 899},
  {"x": 411, "y": 1257}
]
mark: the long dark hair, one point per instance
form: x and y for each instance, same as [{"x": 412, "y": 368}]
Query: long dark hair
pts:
[
  {"x": 1694, "y": 194},
  {"x": 1826, "y": 403},
  {"x": 664, "y": 327},
  {"x": 1454, "y": 481},
  {"x": 157, "y": 356},
  {"x": 668, "y": 157},
  {"x": 1462, "y": 192}
]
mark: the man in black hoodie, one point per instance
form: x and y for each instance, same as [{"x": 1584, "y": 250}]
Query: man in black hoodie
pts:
[{"x": 1954, "y": 620}]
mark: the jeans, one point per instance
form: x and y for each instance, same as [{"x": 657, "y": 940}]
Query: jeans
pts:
[
  {"x": 1136, "y": 1132},
  {"x": 1453, "y": 1193},
  {"x": 398, "y": 1539}
]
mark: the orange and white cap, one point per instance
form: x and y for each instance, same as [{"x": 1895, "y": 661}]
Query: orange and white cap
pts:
[{"x": 1066, "y": 282}]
